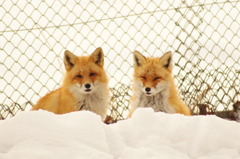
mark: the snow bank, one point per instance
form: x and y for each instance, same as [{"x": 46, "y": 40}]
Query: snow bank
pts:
[{"x": 43, "y": 135}]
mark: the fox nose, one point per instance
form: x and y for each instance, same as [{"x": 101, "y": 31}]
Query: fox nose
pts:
[
  {"x": 87, "y": 85},
  {"x": 147, "y": 89}
]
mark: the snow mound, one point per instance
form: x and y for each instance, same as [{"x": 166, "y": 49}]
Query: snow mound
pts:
[{"x": 43, "y": 135}]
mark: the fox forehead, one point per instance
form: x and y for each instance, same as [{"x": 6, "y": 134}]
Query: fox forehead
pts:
[
  {"x": 152, "y": 67},
  {"x": 84, "y": 61},
  {"x": 86, "y": 69},
  {"x": 85, "y": 65}
]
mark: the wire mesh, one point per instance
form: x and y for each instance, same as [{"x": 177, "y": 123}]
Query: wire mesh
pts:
[{"x": 204, "y": 36}]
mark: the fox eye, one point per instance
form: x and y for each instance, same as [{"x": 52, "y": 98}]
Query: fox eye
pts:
[
  {"x": 79, "y": 76},
  {"x": 156, "y": 78},
  {"x": 92, "y": 74},
  {"x": 143, "y": 77}
]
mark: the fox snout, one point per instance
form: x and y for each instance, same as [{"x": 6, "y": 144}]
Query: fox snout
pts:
[
  {"x": 149, "y": 91},
  {"x": 85, "y": 88},
  {"x": 88, "y": 87}
]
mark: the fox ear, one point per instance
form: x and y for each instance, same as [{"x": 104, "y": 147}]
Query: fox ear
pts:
[
  {"x": 98, "y": 57},
  {"x": 166, "y": 60},
  {"x": 139, "y": 59},
  {"x": 69, "y": 59}
]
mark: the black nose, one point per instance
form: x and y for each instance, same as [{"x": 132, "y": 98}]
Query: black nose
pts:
[
  {"x": 147, "y": 89},
  {"x": 87, "y": 85}
]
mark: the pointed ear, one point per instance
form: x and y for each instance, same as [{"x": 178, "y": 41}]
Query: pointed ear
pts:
[
  {"x": 139, "y": 59},
  {"x": 69, "y": 59},
  {"x": 166, "y": 60},
  {"x": 98, "y": 57}
]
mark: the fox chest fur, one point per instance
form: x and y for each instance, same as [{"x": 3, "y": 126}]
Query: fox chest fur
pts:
[{"x": 96, "y": 102}]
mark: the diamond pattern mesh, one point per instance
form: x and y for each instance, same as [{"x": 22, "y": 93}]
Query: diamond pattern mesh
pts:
[{"x": 204, "y": 36}]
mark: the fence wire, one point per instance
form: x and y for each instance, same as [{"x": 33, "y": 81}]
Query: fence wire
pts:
[{"x": 203, "y": 35}]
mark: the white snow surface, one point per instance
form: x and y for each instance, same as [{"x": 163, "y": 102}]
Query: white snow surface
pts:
[{"x": 147, "y": 135}]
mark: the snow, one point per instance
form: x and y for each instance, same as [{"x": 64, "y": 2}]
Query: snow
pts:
[{"x": 44, "y": 135}]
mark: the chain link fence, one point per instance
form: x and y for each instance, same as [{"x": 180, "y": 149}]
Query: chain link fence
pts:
[{"x": 203, "y": 35}]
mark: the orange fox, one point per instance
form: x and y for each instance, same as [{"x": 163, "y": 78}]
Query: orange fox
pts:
[
  {"x": 85, "y": 86},
  {"x": 153, "y": 85}
]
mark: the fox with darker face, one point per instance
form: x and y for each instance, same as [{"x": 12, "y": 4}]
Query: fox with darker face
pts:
[
  {"x": 85, "y": 86},
  {"x": 153, "y": 85}
]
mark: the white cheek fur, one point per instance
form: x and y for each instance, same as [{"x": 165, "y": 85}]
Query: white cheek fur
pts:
[{"x": 162, "y": 86}]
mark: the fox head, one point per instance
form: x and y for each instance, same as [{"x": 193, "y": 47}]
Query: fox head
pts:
[
  {"x": 84, "y": 74},
  {"x": 152, "y": 75}
]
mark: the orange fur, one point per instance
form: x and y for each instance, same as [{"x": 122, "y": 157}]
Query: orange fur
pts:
[
  {"x": 84, "y": 86},
  {"x": 153, "y": 85}
]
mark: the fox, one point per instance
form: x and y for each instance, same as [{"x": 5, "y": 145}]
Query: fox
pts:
[
  {"x": 153, "y": 85},
  {"x": 84, "y": 86}
]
